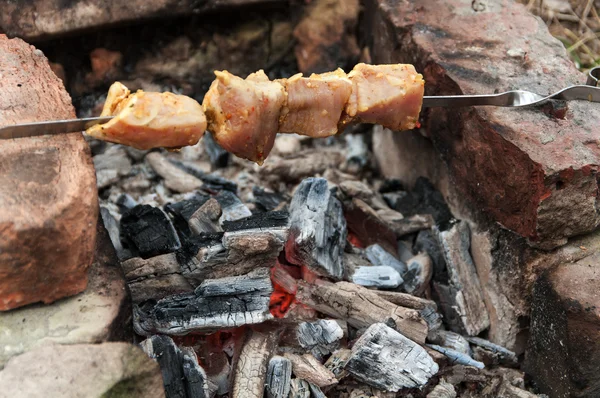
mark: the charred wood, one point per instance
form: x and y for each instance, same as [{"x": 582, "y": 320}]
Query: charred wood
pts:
[
  {"x": 149, "y": 231},
  {"x": 368, "y": 227},
  {"x": 219, "y": 157},
  {"x": 381, "y": 277},
  {"x": 114, "y": 232},
  {"x": 492, "y": 354},
  {"x": 265, "y": 200},
  {"x": 357, "y": 153},
  {"x": 182, "y": 211},
  {"x": 443, "y": 390},
  {"x": 233, "y": 208},
  {"x": 279, "y": 375},
  {"x": 196, "y": 382},
  {"x": 251, "y": 365},
  {"x": 406, "y": 300},
  {"x": 221, "y": 303},
  {"x": 361, "y": 307},
  {"x": 410, "y": 224},
  {"x": 450, "y": 340},
  {"x": 304, "y": 164},
  {"x": 308, "y": 368},
  {"x": 377, "y": 255},
  {"x": 337, "y": 361},
  {"x": 300, "y": 389},
  {"x": 385, "y": 359},
  {"x": 211, "y": 182},
  {"x": 320, "y": 337},
  {"x": 206, "y": 218},
  {"x": 159, "y": 287},
  {"x": 426, "y": 242},
  {"x": 462, "y": 299},
  {"x": 175, "y": 178},
  {"x": 317, "y": 229},
  {"x": 457, "y": 357},
  {"x": 418, "y": 276}
]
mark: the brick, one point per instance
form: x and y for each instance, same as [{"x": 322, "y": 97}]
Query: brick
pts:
[
  {"x": 529, "y": 169},
  {"x": 564, "y": 349},
  {"x": 48, "y": 197}
]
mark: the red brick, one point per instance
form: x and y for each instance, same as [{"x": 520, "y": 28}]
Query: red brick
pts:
[
  {"x": 532, "y": 173},
  {"x": 48, "y": 197}
]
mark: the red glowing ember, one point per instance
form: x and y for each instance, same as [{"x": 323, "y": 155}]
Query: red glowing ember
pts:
[
  {"x": 353, "y": 239},
  {"x": 284, "y": 287}
]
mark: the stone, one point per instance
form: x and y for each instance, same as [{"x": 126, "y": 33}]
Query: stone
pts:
[
  {"x": 100, "y": 313},
  {"x": 115, "y": 369},
  {"x": 48, "y": 196},
  {"x": 565, "y": 320},
  {"x": 325, "y": 35},
  {"x": 545, "y": 193},
  {"x": 41, "y": 19}
]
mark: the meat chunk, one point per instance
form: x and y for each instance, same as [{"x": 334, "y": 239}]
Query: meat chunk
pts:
[
  {"x": 243, "y": 114},
  {"x": 150, "y": 120},
  {"x": 389, "y": 95},
  {"x": 315, "y": 104}
]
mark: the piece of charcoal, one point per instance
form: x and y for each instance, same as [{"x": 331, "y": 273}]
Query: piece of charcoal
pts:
[
  {"x": 357, "y": 154},
  {"x": 461, "y": 300},
  {"x": 112, "y": 226},
  {"x": 377, "y": 255},
  {"x": 300, "y": 389},
  {"x": 418, "y": 276},
  {"x": 196, "y": 382},
  {"x": 211, "y": 181},
  {"x": 206, "y": 218},
  {"x": 337, "y": 361},
  {"x": 366, "y": 225},
  {"x": 266, "y": 200},
  {"x": 149, "y": 231},
  {"x": 170, "y": 359},
  {"x": 497, "y": 353},
  {"x": 448, "y": 339},
  {"x": 391, "y": 185},
  {"x": 219, "y": 157},
  {"x": 272, "y": 219},
  {"x": 251, "y": 364},
  {"x": 426, "y": 242},
  {"x": 279, "y": 374},
  {"x": 182, "y": 211},
  {"x": 320, "y": 337},
  {"x": 317, "y": 229},
  {"x": 442, "y": 390},
  {"x": 125, "y": 202},
  {"x": 315, "y": 391},
  {"x": 233, "y": 208},
  {"x": 360, "y": 307},
  {"x": 223, "y": 303},
  {"x": 175, "y": 178},
  {"x": 385, "y": 359},
  {"x": 457, "y": 357},
  {"x": 308, "y": 368},
  {"x": 378, "y": 276}
]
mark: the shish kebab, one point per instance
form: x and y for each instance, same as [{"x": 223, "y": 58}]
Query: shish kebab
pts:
[{"x": 245, "y": 115}]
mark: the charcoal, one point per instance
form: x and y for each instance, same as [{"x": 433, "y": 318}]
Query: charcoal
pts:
[
  {"x": 175, "y": 178},
  {"x": 426, "y": 242},
  {"x": 391, "y": 185},
  {"x": 492, "y": 353},
  {"x": 211, "y": 181},
  {"x": 357, "y": 154},
  {"x": 406, "y": 300},
  {"x": 300, "y": 389},
  {"x": 251, "y": 364},
  {"x": 457, "y": 357},
  {"x": 364, "y": 222},
  {"x": 432, "y": 318},
  {"x": 405, "y": 252},
  {"x": 149, "y": 231},
  {"x": 308, "y": 368},
  {"x": 377, "y": 255},
  {"x": 380, "y": 276},
  {"x": 266, "y": 200},
  {"x": 448, "y": 339},
  {"x": 360, "y": 190},
  {"x": 219, "y": 157},
  {"x": 158, "y": 287},
  {"x": 442, "y": 390},
  {"x": 223, "y": 303},
  {"x": 304, "y": 164},
  {"x": 170, "y": 359},
  {"x": 462, "y": 299},
  {"x": 206, "y": 218},
  {"x": 112, "y": 226},
  {"x": 261, "y": 221},
  {"x": 408, "y": 225},
  {"x": 111, "y": 165},
  {"x": 360, "y": 307},
  {"x": 279, "y": 374},
  {"x": 418, "y": 276},
  {"x": 233, "y": 208},
  {"x": 315, "y": 391},
  {"x": 423, "y": 199},
  {"x": 385, "y": 359},
  {"x": 317, "y": 229},
  {"x": 320, "y": 337},
  {"x": 337, "y": 361},
  {"x": 182, "y": 211},
  {"x": 196, "y": 382},
  {"x": 125, "y": 202}
]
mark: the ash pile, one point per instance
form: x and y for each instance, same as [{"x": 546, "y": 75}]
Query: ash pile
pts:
[{"x": 309, "y": 276}]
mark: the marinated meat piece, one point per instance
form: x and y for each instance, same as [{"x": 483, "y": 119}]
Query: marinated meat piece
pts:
[
  {"x": 150, "y": 120},
  {"x": 243, "y": 114},
  {"x": 315, "y": 104},
  {"x": 389, "y": 95}
]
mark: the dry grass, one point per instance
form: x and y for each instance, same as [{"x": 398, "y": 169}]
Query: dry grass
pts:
[{"x": 576, "y": 23}]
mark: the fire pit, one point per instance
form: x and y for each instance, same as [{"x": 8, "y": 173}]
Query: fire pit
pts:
[{"x": 457, "y": 259}]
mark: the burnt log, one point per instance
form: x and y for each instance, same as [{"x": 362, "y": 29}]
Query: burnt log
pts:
[
  {"x": 279, "y": 375},
  {"x": 385, "y": 359},
  {"x": 182, "y": 211},
  {"x": 317, "y": 229},
  {"x": 251, "y": 365},
  {"x": 462, "y": 298},
  {"x": 149, "y": 231},
  {"x": 196, "y": 382},
  {"x": 308, "y": 368},
  {"x": 206, "y": 218},
  {"x": 361, "y": 307},
  {"x": 320, "y": 337},
  {"x": 214, "y": 304},
  {"x": 232, "y": 206}
]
